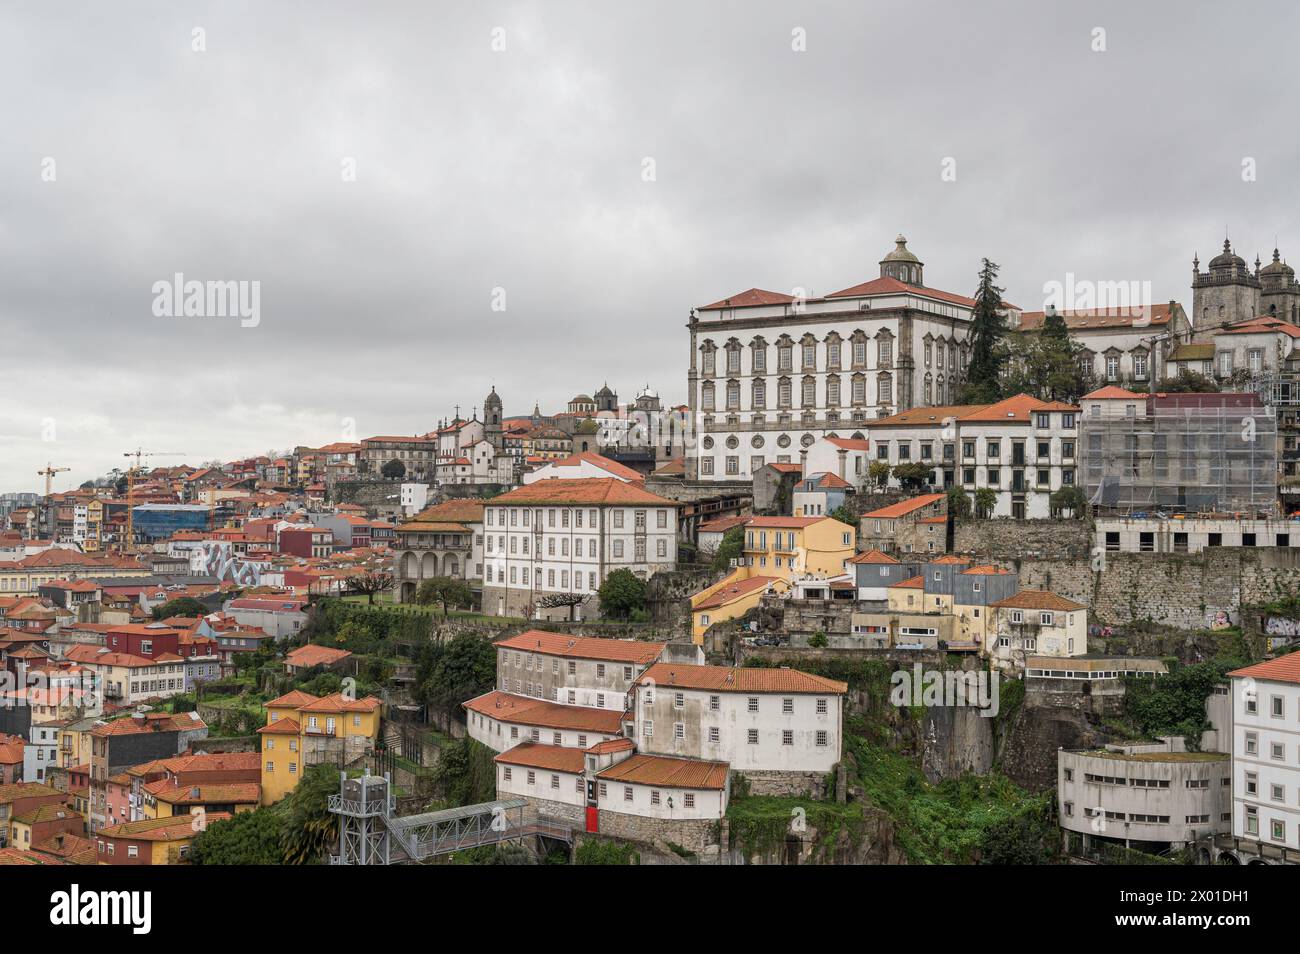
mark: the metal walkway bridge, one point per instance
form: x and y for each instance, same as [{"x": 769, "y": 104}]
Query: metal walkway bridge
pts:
[{"x": 371, "y": 834}]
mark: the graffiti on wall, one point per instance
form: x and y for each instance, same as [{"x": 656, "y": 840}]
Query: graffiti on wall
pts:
[{"x": 219, "y": 560}]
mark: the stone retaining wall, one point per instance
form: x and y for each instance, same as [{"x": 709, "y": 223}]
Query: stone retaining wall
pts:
[{"x": 691, "y": 834}]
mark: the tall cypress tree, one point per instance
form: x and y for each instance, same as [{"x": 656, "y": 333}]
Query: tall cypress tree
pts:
[{"x": 987, "y": 330}]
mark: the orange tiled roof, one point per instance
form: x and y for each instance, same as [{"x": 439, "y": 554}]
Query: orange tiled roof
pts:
[
  {"x": 911, "y": 583},
  {"x": 1039, "y": 599},
  {"x": 873, "y": 556},
  {"x": 522, "y": 710},
  {"x": 733, "y": 679},
  {"x": 734, "y": 591},
  {"x": 583, "y": 647},
  {"x": 219, "y": 793},
  {"x": 172, "y": 828},
  {"x": 927, "y": 416},
  {"x": 749, "y": 298},
  {"x": 851, "y": 443},
  {"x": 313, "y": 655},
  {"x": 1015, "y": 409},
  {"x": 609, "y": 491},
  {"x": 553, "y": 758},
  {"x": 1111, "y": 392},
  {"x": 668, "y": 772},
  {"x": 1123, "y": 316},
  {"x": 904, "y": 507},
  {"x": 294, "y": 698},
  {"x": 1282, "y": 669},
  {"x": 282, "y": 726}
]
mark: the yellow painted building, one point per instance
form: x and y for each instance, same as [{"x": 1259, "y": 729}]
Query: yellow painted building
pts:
[
  {"x": 788, "y": 547},
  {"x": 732, "y": 597},
  {"x": 149, "y": 841},
  {"x": 164, "y": 800},
  {"x": 302, "y": 729}
]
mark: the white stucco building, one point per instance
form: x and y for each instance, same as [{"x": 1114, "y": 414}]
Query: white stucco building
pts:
[
  {"x": 771, "y": 372},
  {"x": 1023, "y": 448},
  {"x": 560, "y": 539},
  {"x": 757, "y": 720},
  {"x": 1266, "y": 752}
]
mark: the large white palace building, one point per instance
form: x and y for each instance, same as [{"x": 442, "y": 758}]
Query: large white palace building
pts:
[{"x": 770, "y": 373}]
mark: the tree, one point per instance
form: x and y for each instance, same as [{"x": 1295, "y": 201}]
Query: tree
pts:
[
  {"x": 181, "y": 606},
  {"x": 1025, "y": 839},
  {"x": 309, "y": 826},
  {"x": 731, "y": 547},
  {"x": 958, "y": 502},
  {"x": 1188, "y": 382},
  {"x": 844, "y": 514},
  {"x": 393, "y": 470},
  {"x": 1044, "y": 364},
  {"x": 248, "y": 838},
  {"x": 913, "y": 475},
  {"x": 987, "y": 329},
  {"x": 565, "y": 600},
  {"x": 446, "y": 590},
  {"x": 449, "y": 673},
  {"x": 878, "y": 472},
  {"x": 986, "y": 499},
  {"x": 1072, "y": 499},
  {"x": 621, "y": 594},
  {"x": 370, "y": 583}
]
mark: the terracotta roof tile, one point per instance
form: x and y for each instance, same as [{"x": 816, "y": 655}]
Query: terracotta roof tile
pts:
[
  {"x": 904, "y": 507},
  {"x": 522, "y": 710},
  {"x": 599, "y": 491},
  {"x": 553, "y": 758},
  {"x": 1039, "y": 599},
  {"x": 732, "y": 679},
  {"x": 584, "y": 647},
  {"x": 1282, "y": 669},
  {"x": 668, "y": 772}
]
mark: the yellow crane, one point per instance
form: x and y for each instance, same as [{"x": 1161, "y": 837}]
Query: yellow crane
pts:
[
  {"x": 48, "y": 473},
  {"x": 139, "y": 454}
]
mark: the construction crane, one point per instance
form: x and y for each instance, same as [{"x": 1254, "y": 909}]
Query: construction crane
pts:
[
  {"x": 48, "y": 473},
  {"x": 139, "y": 454}
]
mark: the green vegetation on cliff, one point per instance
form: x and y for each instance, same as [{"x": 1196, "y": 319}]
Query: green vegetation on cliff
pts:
[{"x": 959, "y": 821}]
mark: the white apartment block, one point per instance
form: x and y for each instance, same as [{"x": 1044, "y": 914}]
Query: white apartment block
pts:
[
  {"x": 1023, "y": 448},
  {"x": 502, "y": 720},
  {"x": 1035, "y": 623},
  {"x": 771, "y": 373},
  {"x": 1266, "y": 752},
  {"x": 574, "y": 670},
  {"x": 777, "y": 721},
  {"x": 558, "y": 539},
  {"x": 1192, "y": 534}
]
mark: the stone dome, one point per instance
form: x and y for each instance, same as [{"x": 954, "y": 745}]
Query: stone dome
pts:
[
  {"x": 900, "y": 253},
  {"x": 1277, "y": 267},
  {"x": 1227, "y": 258}
]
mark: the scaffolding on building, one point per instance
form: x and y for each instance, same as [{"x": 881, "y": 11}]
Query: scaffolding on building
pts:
[{"x": 1195, "y": 454}]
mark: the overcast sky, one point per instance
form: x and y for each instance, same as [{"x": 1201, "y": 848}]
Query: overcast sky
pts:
[{"x": 524, "y": 169}]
